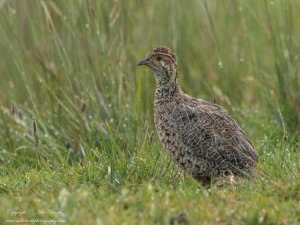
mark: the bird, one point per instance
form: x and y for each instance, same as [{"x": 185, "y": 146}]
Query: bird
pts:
[{"x": 200, "y": 136}]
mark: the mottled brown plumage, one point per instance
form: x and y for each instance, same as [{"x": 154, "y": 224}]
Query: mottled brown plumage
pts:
[{"x": 199, "y": 135}]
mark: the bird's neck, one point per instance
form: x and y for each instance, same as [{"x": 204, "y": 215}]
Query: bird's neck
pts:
[{"x": 166, "y": 88}]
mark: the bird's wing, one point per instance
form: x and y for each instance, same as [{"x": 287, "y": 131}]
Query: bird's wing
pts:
[{"x": 208, "y": 129}]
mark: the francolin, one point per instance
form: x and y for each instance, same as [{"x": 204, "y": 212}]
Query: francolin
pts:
[{"x": 199, "y": 135}]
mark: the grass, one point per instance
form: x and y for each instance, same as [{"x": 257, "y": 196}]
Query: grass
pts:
[{"x": 94, "y": 157}]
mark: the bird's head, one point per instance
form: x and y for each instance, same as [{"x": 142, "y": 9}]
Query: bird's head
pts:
[{"x": 163, "y": 62}]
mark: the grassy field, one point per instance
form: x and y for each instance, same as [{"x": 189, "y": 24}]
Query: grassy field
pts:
[{"x": 77, "y": 140}]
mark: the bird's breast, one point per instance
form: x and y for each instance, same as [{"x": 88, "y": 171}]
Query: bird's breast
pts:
[{"x": 166, "y": 128}]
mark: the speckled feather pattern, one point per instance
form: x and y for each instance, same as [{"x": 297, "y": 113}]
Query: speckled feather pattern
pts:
[{"x": 199, "y": 136}]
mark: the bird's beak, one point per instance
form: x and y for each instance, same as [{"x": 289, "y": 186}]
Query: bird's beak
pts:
[{"x": 143, "y": 62}]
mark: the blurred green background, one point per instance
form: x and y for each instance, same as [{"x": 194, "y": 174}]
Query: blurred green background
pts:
[{"x": 71, "y": 66}]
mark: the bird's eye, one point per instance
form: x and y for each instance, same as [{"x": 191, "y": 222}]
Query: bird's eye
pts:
[{"x": 158, "y": 58}]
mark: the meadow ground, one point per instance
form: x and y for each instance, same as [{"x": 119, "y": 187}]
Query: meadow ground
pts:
[{"x": 94, "y": 157}]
